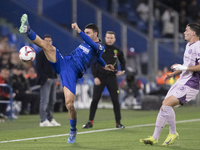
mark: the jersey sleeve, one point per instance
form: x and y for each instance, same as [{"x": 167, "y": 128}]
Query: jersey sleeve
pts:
[
  {"x": 88, "y": 40},
  {"x": 102, "y": 62},
  {"x": 100, "y": 51},
  {"x": 122, "y": 60}
]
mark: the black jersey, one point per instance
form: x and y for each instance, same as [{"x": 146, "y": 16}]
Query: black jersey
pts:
[{"x": 111, "y": 55}]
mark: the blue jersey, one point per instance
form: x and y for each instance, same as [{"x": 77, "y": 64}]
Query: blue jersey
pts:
[
  {"x": 74, "y": 65},
  {"x": 86, "y": 54}
]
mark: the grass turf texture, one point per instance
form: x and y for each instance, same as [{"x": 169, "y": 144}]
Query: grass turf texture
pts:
[{"x": 120, "y": 139}]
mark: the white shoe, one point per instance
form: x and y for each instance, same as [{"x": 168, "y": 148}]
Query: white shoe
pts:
[
  {"x": 55, "y": 123},
  {"x": 46, "y": 123},
  {"x": 14, "y": 116}
]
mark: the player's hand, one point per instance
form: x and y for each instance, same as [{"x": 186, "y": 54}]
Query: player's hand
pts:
[
  {"x": 75, "y": 27},
  {"x": 168, "y": 76},
  {"x": 179, "y": 67},
  {"x": 97, "y": 81},
  {"x": 119, "y": 73},
  {"x": 109, "y": 67}
]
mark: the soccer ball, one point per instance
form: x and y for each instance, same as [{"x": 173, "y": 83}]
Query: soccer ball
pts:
[{"x": 27, "y": 53}]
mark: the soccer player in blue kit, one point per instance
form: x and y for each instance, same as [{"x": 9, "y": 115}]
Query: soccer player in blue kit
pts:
[{"x": 72, "y": 66}]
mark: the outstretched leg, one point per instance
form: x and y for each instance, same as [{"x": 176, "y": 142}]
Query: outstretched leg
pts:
[{"x": 49, "y": 50}]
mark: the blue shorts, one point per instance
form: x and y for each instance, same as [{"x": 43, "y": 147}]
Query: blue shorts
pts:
[{"x": 67, "y": 71}]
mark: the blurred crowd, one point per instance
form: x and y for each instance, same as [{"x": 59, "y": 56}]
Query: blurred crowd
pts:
[
  {"x": 164, "y": 14},
  {"x": 137, "y": 13},
  {"x": 22, "y": 77}
]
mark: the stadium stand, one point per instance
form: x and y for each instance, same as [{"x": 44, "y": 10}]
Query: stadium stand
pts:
[{"x": 57, "y": 18}]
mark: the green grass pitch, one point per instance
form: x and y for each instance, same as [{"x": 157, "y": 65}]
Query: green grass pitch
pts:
[{"x": 32, "y": 137}]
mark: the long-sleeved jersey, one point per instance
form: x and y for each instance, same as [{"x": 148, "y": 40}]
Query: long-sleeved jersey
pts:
[
  {"x": 191, "y": 58},
  {"x": 86, "y": 54},
  {"x": 111, "y": 55}
]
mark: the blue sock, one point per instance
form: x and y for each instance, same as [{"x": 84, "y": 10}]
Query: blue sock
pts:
[
  {"x": 73, "y": 124},
  {"x": 31, "y": 34}
]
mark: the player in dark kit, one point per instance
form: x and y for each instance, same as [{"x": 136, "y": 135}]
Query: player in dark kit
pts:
[
  {"x": 106, "y": 78},
  {"x": 72, "y": 66}
]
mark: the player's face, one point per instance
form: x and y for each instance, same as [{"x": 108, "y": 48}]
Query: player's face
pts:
[
  {"x": 90, "y": 33},
  {"x": 48, "y": 40},
  {"x": 188, "y": 33},
  {"x": 110, "y": 39}
]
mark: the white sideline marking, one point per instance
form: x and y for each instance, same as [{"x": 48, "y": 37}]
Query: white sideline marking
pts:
[{"x": 144, "y": 125}]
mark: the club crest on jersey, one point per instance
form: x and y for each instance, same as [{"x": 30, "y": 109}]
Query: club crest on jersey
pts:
[
  {"x": 115, "y": 53},
  {"x": 190, "y": 51},
  {"x": 85, "y": 50},
  {"x": 100, "y": 47}
]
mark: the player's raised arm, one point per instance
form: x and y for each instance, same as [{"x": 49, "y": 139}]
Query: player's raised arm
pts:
[
  {"x": 75, "y": 27},
  {"x": 86, "y": 37}
]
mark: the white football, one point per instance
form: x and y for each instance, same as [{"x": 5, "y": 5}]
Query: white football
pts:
[{"x": 27, "y": 53}]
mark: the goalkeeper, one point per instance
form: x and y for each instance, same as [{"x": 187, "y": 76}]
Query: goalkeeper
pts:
[{"x": 72, "y": 66}]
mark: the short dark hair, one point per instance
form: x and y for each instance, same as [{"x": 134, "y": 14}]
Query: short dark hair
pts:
[
  {"x": 47, "y": 36},
  {"x": 195, "y": 27},
  {"x": 93, "y": 27},
  {"x": 110, "y": 32}
]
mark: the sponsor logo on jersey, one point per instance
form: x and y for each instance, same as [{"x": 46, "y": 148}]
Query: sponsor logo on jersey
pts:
[
  {"x": 60, "y": 54},
  {"x": 85, "y": 50},
  {"x": 186, "y": 58}
]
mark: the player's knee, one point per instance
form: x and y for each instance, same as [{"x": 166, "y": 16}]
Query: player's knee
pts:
[{"x": 69, "y": 105}]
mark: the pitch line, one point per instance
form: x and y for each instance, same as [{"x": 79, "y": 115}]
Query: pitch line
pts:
[{"x": 85, "y": 132}]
